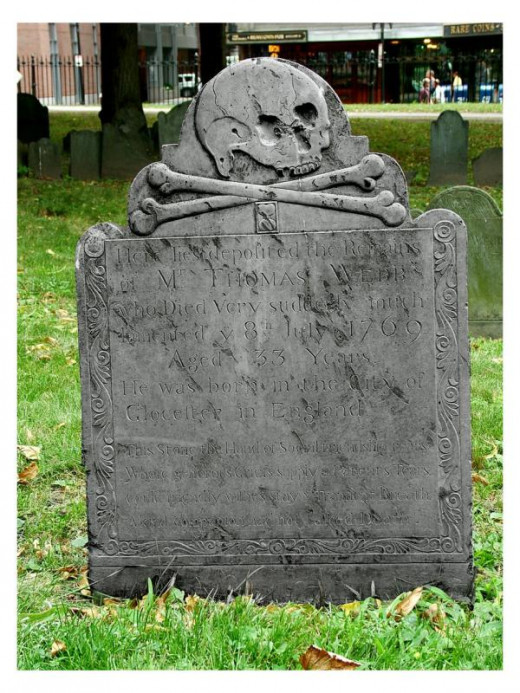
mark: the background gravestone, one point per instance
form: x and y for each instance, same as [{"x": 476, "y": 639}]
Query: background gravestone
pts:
[
  {"x": 483, "y": 220},
  {"x": 167, "y": 127},
  {"x": 33, "y": 119},
  {"x": 123, "y": 154},
  {"x": 44, "y": 158},
  {"x": 274, "y": 362},
  {"x": 85, "y": 154},
  {"x": 449, "y": 150},
  {"x": 488, "y": 167}
]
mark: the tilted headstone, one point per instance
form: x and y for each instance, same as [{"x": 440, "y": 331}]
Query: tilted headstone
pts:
[
  {"x": 33, "y": 119},
  {"x": 168, "y": 125},
  {"x": 488, "y": 167},
  {"x": 274, "y": 362},
  {"x": 85, "y": 154},
  {"x": 449, "y": 150},
  {"x": 44, "y": 158},
  {"x": 483, "y": 219}
]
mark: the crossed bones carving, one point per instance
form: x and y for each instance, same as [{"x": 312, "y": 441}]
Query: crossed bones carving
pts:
[{"x": 303, "y": 191}]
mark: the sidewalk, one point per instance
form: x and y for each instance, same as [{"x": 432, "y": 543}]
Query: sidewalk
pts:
[
  {"x": 490, "y": 117},
  {"x": 386, "y": 115}
]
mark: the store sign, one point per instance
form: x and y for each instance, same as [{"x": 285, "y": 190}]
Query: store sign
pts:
[
  {"x": 472, "y": 29},
  {"x": 266, "y": 37}
]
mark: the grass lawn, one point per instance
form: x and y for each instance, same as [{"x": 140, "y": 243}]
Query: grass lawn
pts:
[{"x": 60, "y": 627}]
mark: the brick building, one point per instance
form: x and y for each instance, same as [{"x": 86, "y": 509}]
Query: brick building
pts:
[{"x": 61, "y": 63}]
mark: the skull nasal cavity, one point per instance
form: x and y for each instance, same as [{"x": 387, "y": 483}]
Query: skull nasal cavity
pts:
[{"x": 307, "y": 112}]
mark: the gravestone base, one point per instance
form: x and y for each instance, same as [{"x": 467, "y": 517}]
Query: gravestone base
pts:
[{"x": 317, "y": 584}]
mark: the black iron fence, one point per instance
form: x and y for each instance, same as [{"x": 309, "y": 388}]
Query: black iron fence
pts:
[
  {"x": 75, "y": 80},
  {"x": 356, "y": 77},
  {"x": 359, "y": 77}
]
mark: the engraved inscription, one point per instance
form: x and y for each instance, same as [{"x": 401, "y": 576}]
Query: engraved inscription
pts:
[{"x": 246, "y": 368}]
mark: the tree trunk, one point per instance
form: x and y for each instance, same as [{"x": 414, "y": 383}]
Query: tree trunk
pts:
[
  {"x": 126, "y": 143},
  {"x": 212, "y": 39},
  {"x": 121, "y": 99}
]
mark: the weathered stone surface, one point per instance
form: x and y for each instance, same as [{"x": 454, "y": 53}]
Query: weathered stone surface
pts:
[
  {"x": 449, "y": 150},
  {"x": 488, "y": 167},
  {"x": 483, "y": 220},
  {"x": 44, "y": 159},
  {"x": 85, "y": 154},
  {"x": 33, "y": 119},
  {"x": 274, "y": 362}
]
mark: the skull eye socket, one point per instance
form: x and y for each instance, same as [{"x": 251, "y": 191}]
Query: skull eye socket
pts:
[
  {"x": 307, "y": 113},
  {"x": 270, "y": 129}
]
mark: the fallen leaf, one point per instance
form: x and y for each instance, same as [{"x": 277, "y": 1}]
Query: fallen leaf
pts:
[
  {"x": 188, "y": 620},
  {"x": 351, "y": 608},
  {"x": 435, "y": 614},
  {"x": 317, "y": 659},
  {"x": 29, "y": 435},
  {"x": 83, "y": 584},
  {"x": 406, "y": 605},
  {"x": 64, "y": 315},
  {"x": 28, "y": 474},
  {"x": 51, "y": 340},
  {"x": 499, "y": 359},
  {"x": 30, "y": 452},
  {"x": 57, "y": 647},
  {"x": 493, "y": 453},
  {"x": 86, "y": 611},
  {"x": 79, "y": 542},
  {"x": 479, "y": 478},
  {"x": 191, "y": 602},
  {"x": 40, "y": 351},
  {"x": 71, "y": 362},
  {"x": 50, "y": 252},
  {"x": 154, "y": 626}
]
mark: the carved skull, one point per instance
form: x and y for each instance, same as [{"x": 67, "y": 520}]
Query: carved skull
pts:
[{"x": 267, "y": 109}]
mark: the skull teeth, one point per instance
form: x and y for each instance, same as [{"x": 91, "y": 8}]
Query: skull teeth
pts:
[{"x": 300, "y": 170}]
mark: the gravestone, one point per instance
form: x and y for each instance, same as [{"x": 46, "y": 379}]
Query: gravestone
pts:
[
  {"x": 22, "y": 154},
  {"x": 274, "y": 362},
  {"x": 85, "y": 154},
  {"x": 33, "y": 119},
  {"x": 124, "y": 151},
  {"x": 449, "y": 150},
  {"x": 44, "y": 158},
  {"x": 488, "y": 167},
  {"x": 483, "y": 220},
  {"x": 167, "y": 128}
]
